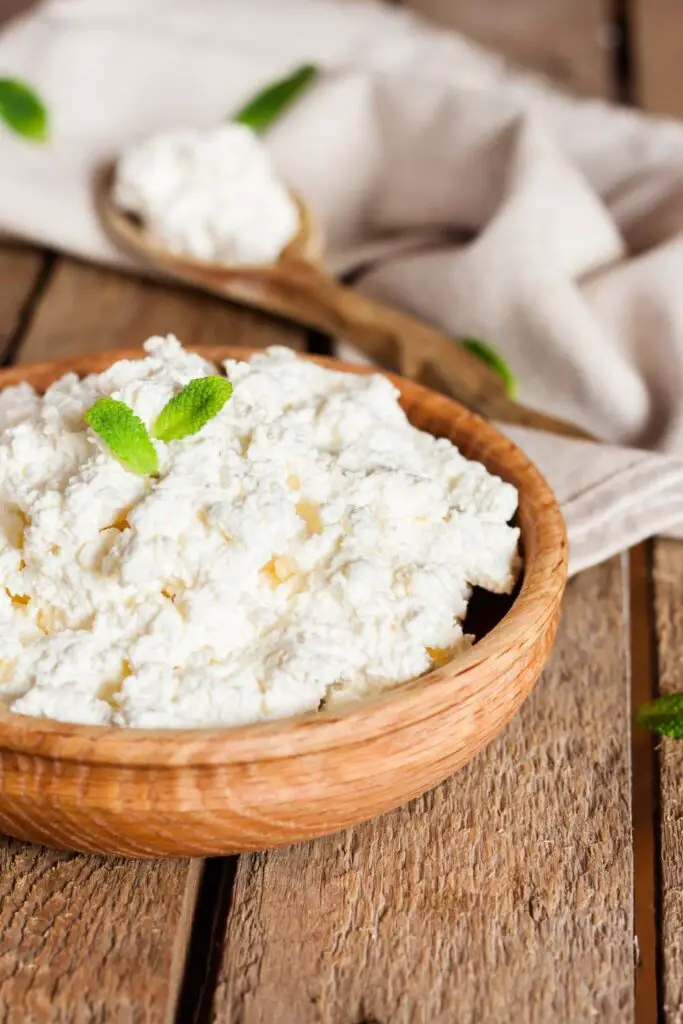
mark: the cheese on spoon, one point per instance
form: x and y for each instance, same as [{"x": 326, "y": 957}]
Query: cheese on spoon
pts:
[{"x": 210, "y": 195}]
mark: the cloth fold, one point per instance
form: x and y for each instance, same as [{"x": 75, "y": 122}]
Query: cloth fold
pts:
[
  {"x": 611, "y": 497},
  {"x": 470, "y": 193}
]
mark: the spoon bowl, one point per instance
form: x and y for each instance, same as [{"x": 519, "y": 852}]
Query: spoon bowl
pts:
[{"x": 128, "y": 230}]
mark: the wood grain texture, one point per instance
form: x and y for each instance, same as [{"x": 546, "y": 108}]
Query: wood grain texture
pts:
[
  {"x": 85, "y": 309},
  {"x": 503, "y": 895},
  {"x": 668, "y": 584},
  {"x": 12, "y": 8},
  {"x": 210, "y": 791},
  {"x": 656, "y": 30},
  {"x": 568, "y": 41},
  {"x": 19, "y": 271},
  {"x": 85, "y": 939}
]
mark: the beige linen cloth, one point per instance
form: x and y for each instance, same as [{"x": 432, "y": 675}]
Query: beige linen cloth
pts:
[{"x": 469, "y": 193}]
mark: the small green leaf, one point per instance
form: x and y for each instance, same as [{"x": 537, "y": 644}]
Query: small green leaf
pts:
[
  {"x": 663, "y": 715},
  {"x": 189, "y": 411},
  {"x": 22, "y": 110},
  {"x": 125, "y": 435},
  {"x": 494, "y": 360},
  {"x": 267, "y": 105}
]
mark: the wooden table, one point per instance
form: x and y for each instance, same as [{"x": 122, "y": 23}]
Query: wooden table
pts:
[{"x": 544, "y": 883}]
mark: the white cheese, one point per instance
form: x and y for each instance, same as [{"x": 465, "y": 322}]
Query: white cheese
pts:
[
  {"x": 308, "y": 545},
  {"x": 210, "y": 195}
]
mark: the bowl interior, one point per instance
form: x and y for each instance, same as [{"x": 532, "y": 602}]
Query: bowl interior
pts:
[
  {"x": 485, "y": 610},
  {"x": 499, "y": 623}
]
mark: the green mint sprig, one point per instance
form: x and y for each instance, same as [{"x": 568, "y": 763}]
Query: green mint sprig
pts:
[
  {"x": 663, "y": 715},
  {"x": 127, "y": 437},
  {"x": 124, "y": 434},
  {"x": 22, "y": 110},
  {"x": 494, "y": 360},
  {"x": 189, "y": 411},
  {"x": 261, "y": 111}
]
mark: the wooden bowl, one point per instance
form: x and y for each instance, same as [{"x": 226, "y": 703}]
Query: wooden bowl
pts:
[{"x": 200, "y": 792}]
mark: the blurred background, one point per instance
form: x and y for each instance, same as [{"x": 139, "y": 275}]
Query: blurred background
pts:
[{"x": 616, "y": 49}]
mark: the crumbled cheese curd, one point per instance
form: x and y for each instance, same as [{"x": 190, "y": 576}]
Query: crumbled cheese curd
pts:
[
  {"x": 308, "y": 546},
  {"x": 211, "y": 195}
]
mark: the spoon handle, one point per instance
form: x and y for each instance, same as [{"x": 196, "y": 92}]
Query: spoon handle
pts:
[{"x": 302, "y": 292}]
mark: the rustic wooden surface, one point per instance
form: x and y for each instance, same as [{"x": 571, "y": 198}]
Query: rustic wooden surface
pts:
[
  {"x": 91, "y": 939},
  {"x": 499, "y": 891},
  {"x": 657, "y": 27},
  {"x": 571, "y": 42},
  {"x": 643, "y": 688},
  {"x": 85, "y": 309},
  {"x": 507, "y": 894},
  {"x": 668, "y": 593},
  {"x": 20, "y": 272}
]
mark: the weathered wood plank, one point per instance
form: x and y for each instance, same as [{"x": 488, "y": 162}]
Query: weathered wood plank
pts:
[
  {"x": 81, "y": 938},
  {"x": 656, "y": 28},
  {"x": 19, "y": 272},
  {"x": 12, "y": 8},
  {"x": 89, "y": 939},
  {"x": 86, "y": 309},
  {"x": 668, "y": 585},
  {"x": 505, "y": 894},
  {"x": 568, "y": 41}
]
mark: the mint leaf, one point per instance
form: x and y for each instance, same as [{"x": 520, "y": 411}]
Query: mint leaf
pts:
[
  {"x": 189, "y": 411},
  {"x": 125, "y": 435},
  {"x": 663, "y": 715},
  {"x": 494, "y": 360},
  {"x": 267, "y": 106},
  {"x": 22, "y": 110}
]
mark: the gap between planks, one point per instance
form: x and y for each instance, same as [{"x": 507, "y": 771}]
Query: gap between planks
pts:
[
  {"x": 656, "y": 27},
  {"x": 207, "y": 938},
  {"x": 24, "y": 273},
  {"x": 668, "y": 604},
  {"x": 645, "y": 785},
  {"x": 28, "y": 309}
]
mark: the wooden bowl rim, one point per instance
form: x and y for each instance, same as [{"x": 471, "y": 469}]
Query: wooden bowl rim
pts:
[{"x": 542, "y": 586}]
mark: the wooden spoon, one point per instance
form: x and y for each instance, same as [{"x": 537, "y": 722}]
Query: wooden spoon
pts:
[{"x": 297, "y": 287}]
